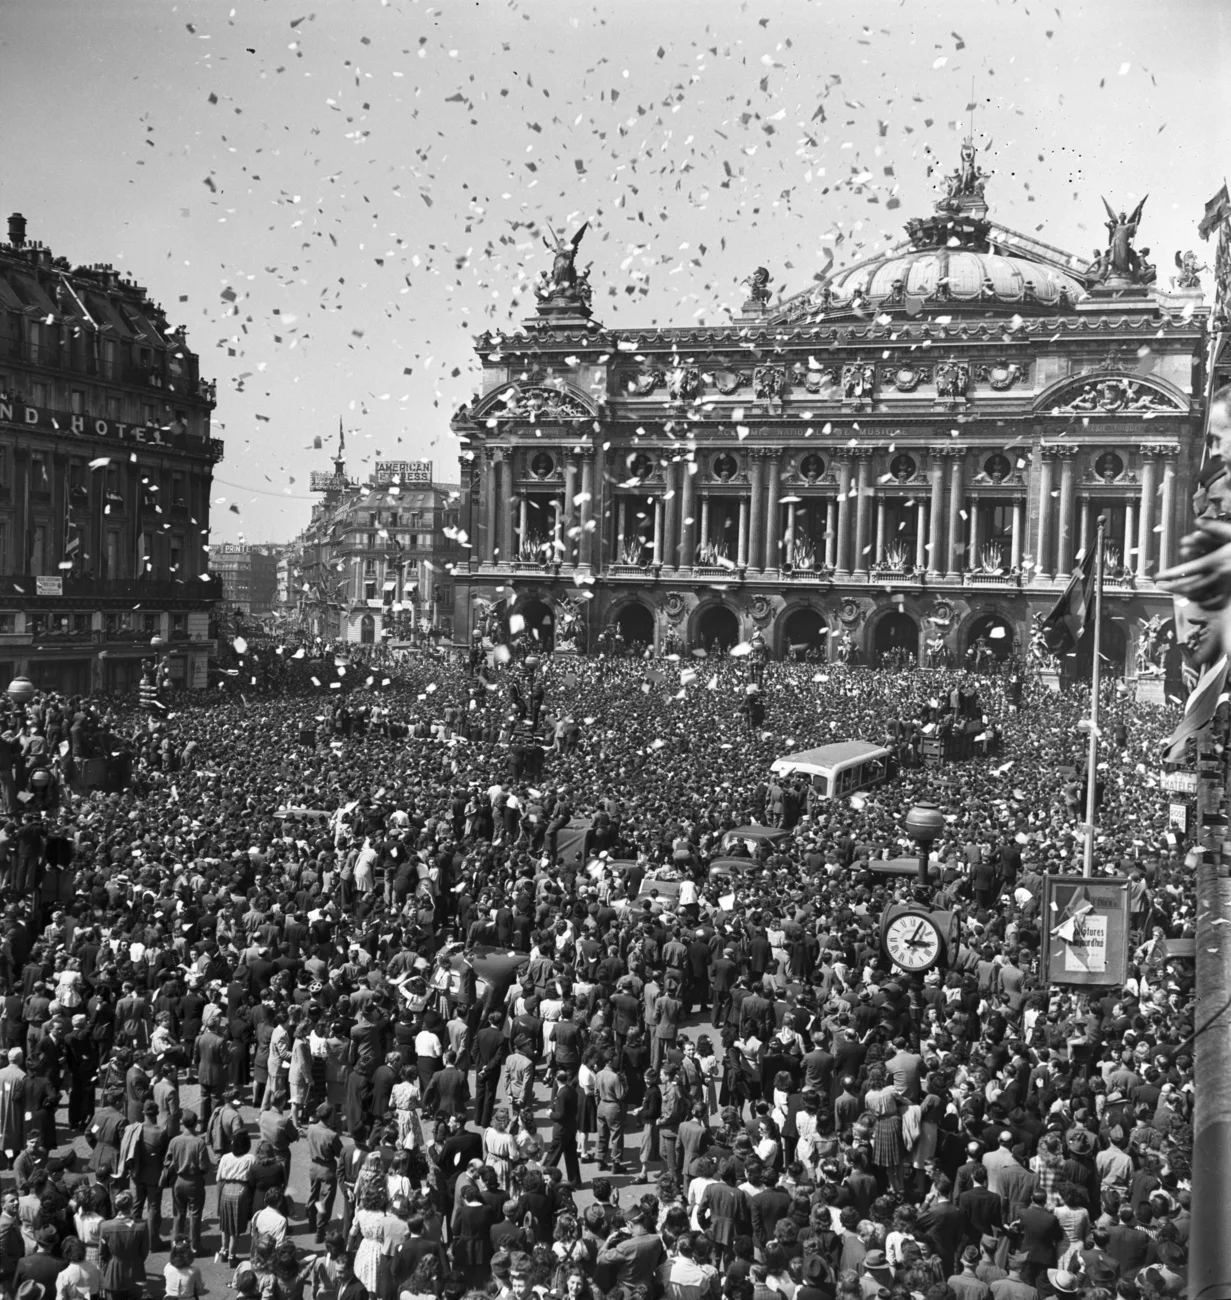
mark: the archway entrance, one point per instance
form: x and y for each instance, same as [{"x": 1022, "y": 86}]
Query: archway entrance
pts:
[
  {"x": 367, "y": 630},
  {"x": 1114, "y": 646},
  {"x": 805, "y": 631},
  {"x": 717, "y": 628},
  {"x": 533, "y": 621},
  {"x": 989, "y": 642},
  {"x": 636, "y": 625},
  {"x": 895, "y": 643}
]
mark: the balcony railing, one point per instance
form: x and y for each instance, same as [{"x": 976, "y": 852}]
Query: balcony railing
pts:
[{"x": 991, "y": 579}]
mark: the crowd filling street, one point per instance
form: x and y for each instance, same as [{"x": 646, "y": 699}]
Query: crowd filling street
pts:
[{"x": 428, "y": 986}]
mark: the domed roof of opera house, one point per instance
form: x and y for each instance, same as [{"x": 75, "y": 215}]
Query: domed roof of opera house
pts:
[
  {"x": 967, "y": 275},
  {"x": 953, "y": 259}
]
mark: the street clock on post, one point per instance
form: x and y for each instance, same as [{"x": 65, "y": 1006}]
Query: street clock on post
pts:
[{"x": 912, "y": 940}]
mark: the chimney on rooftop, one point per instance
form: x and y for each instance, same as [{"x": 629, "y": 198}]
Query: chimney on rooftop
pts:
[{"x": 17, "y": 230}]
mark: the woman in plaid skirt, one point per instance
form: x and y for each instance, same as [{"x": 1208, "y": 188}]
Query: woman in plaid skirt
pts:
[{"x": 888, "y": 1149}]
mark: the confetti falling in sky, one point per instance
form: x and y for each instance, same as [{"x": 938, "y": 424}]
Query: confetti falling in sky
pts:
[{"x": 335, "y": 200}]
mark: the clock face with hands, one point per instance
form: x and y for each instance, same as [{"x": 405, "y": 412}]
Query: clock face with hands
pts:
[{"x": 913, "y": 941}]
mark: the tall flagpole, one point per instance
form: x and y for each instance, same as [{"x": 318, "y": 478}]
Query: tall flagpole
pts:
[{"x": 1087, "y": 869}]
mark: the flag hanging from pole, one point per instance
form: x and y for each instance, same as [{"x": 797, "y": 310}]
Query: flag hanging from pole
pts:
[
  {"x": 1063, "y": 626},
  {"x": 1199, "y": 710},
  {"x": 1217, "y": 208}
]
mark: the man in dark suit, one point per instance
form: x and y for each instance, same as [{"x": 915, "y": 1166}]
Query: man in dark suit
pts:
[
  {"x": 210, "y": 1059},
  {"x": 1041, "y": 1234},
  {"x": 981, "y": 1209},
  {"x": 490, "y": 1049},
  {"x": 1130, "y": 1247},
  {"x": 944, "y": 1224},
  {"x": 448, "y": 1093},
  {"x": 768, "y": 1206},
  {"x": 819, "y": 1067},
  {"x": 756, "y": 1015},
  {"x": 626, "y": 1010},
  {"x": 723, "y": 976},
  {"x": 41, "y": 1267},
  {"x": 564, "y": 1128},
  {"x": 457, "y": 1150},
  {"x": 697, "y": 972}
]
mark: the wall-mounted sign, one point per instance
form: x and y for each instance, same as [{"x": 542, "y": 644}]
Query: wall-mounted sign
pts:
[{"x": 49, "y": 586}]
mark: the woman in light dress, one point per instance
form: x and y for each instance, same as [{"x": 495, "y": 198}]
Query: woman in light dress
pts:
[
  {"x": 500, "y": 1149},
  {"x": 375, "y": 1236}
]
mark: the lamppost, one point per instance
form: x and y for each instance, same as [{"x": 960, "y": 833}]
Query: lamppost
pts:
[
  {"x": 21, "y": 691},
  {"x": 924, "y": 823}
]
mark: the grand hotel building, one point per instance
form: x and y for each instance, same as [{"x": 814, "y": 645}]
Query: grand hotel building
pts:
[
  {"x": 907, "y": 457},
  {"x": 106, "y": 464}
]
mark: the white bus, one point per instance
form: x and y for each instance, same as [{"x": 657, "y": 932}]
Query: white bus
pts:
[{"x": 838, "y": 769}]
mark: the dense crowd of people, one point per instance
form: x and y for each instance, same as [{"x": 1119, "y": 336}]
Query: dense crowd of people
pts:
[{"x": 445, "y": 949}]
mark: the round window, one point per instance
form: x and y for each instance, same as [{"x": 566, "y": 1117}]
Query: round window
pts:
[
  {"x": 997, "y": 467},
  {"x": 1109, "y": 466},
  {"x": 725, "y": 467},
  {"x": 903, "y": 468},
  {"x": 542, "y": 465},
  {"x": 640, "y": 465},
  {"x": 811, "y": 468}
]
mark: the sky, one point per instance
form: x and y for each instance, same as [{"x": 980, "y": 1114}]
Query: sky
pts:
[{"x": 336, "y": 196}]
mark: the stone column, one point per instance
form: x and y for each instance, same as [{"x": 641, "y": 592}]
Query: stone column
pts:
[
  {"x": 974, "y": 559},
  {"x": 936, "y": 511},
  {"x": 957, "y": 494},
  {"x": 671, "y": 515},
  {"x": 772, "y": 558},
  {"x": 1068, "y": 501},
  {"x": 1166, "y": 539},
  {"x": 741, "y": 551},
  {"x": 863, "y": 515},
  {"x": 880, "y": 530},
  {"x": 506, "y": 509},
  {"x": 831, "y": 533},
  {"x": 1085, "y": 525},
  {"x": 704, "y": 538},
  {"x": 1130, "y": 536},
  {"x": 688, "y": 522},
  {"x": 658, "y": 530},
  {"x": 568, "y": 513},
  {"x": 588, "y": 531},
  {"x": 490, "y": 497},
  {"x": 522, "y": 512},
  {"x": 844, "y": 517},
  {"x": 1042, "y": 551},
  {"x": 790, "y": 534},
  {"x": 1145, "y": 516},
  {"x": 921, "y": 537},
  {"x": 1015, "y": 555},
  {"x": 756, "y": 512}
]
